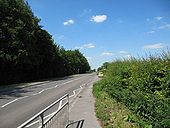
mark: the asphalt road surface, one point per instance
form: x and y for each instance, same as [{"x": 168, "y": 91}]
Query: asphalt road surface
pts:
[{"x": 18, "y": 104}]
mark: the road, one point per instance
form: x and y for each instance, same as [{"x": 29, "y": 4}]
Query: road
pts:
[{"x": 20, "y": 103}]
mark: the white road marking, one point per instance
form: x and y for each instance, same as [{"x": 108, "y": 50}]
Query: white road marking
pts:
[
  {"x": 22, "y": 97},
  {"x": 60, "y": 104},
  {"x": 74, "y": 91},
  {"x": 38, "y": 92},
  {"x": 8, "y": 103},
  {"x": 13, "y": 101},
  {"x": 41, "y": 91}
]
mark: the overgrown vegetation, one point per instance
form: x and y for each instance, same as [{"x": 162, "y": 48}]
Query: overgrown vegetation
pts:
[
  {"x": 111, "y": 113},
  {"x": 27, "y": 52},
  {"x": 142, "y": 85}
]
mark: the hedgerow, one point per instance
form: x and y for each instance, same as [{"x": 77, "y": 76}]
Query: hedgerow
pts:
[{"x": 143, "y": 85}]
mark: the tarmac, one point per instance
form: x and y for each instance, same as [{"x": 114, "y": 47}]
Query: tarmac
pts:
[{"x": 83, "y": 107}]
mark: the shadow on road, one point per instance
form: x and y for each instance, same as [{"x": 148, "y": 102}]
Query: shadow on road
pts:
[
  {"x": 20, "y": 90},
  {"x": 13, "y": 92}
]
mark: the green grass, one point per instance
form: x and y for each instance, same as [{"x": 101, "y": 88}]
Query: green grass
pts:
[{"x": 111, "y": 113}]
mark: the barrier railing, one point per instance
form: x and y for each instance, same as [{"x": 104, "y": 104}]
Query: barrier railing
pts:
[
  {"x": 76, "y": 124},
  {"x": 50, "y": 117}
]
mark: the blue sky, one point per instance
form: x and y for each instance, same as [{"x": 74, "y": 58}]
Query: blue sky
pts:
[{"x": 105, "y": 30}]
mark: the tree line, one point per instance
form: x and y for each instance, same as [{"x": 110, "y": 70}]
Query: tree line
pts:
[{"x": 28, "y": 52}]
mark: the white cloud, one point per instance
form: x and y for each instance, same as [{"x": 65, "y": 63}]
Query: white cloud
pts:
[
  {"x": 98, "y": 18},
  {"x": 107, "y": 54},
  {"x": 68, "y": 22},
  {"x": 166, "y": 26},
  {"x": 158, "y": 18},
  {"x": 123, "y": 52},
  {"x": 127, "y": 56},
  {"x": 150, "y": 32},
  {"x": 154, "y": 46},
  {"x": 90, "y": 45},
  {"x": 77, "y": 47},
  {"x": 85, "y": 46}
]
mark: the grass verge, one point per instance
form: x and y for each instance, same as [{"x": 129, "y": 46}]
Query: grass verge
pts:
[{"x": 111, "y": 113}]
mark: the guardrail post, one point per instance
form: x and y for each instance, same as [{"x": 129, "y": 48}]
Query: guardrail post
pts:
[
  {"x": 41, "y": 121},
  {"x": 68, "y": 109},
  {"x": 40, "y": 115}
]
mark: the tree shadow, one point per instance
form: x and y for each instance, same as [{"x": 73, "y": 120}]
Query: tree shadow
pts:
[
  {"x": 13, "y": 92},
  {"x": 18, "y": 90}
]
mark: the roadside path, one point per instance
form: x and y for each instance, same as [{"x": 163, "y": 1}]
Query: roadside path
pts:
[{"x": 83, "y": 107}]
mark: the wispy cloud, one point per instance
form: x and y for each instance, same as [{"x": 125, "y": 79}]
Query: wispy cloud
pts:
[
  {"x": 154, "y": 46},
  {"x": 86, "y": 46},
  {"x": 150, "y": 32},
  {"x": 68, "y": 22},
  {"x": 90, "y": 45},
  {"x": 166, "y": 26},
  {"x": 123, "y": 52},
  {"x": 158, "y": 18},
  {"x": 107, "y": 54},
  {"x": 85, "y": 12},
  {"x": 98, "y": 18},
  {"x": 127, "y": 56},
  {"x": 78, "y": 47}
]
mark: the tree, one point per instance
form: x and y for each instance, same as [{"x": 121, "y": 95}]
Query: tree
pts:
[{"x": 27, "y": 52}]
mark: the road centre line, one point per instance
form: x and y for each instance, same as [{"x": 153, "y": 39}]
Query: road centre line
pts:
[
  {"x": 37, "y": 93},
  {"x": 8, "y": 103}
]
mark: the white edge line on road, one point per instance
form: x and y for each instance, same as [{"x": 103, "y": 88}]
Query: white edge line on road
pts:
[
  {"x": 60, "y": 104},
  {"x": 74, "y": 91},
  {"x": 81, "y": 86}
]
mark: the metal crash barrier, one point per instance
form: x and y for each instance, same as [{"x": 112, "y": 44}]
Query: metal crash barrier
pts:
[
  {"x": 76, "y": 124},
  {"x": 55, "y": 115}
]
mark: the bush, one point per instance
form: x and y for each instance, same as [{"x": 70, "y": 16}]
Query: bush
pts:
[{"x": 143, "y": 85}]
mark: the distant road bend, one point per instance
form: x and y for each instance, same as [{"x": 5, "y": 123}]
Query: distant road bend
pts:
[{"x": 20, "y": 103}]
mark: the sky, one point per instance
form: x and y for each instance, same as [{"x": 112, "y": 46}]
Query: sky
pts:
[{"x": 106, "y": 30}]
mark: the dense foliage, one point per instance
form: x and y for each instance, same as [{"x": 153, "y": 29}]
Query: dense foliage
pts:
[
  {"x": 143, "y": 85},
  {"x": 27, "y": 52}
]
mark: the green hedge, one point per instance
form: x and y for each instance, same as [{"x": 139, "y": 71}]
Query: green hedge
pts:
[{"x": 143, "y": 85}]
